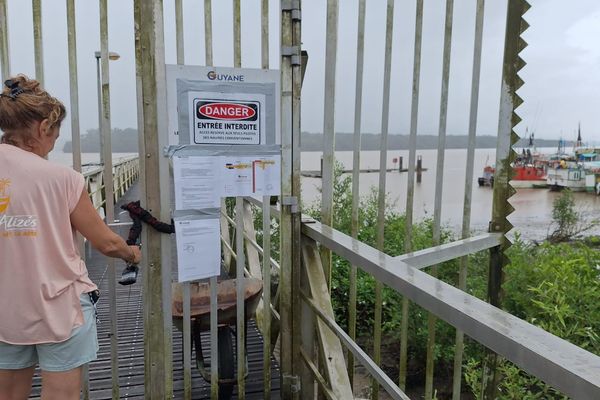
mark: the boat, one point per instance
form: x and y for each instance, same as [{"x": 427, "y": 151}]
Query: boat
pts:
[
  {"x": 578, "y": 171},
  {"x": 569, "y": 175},
  {"x": 488, "y": 176},
  {"x": 529, "y": 169}
]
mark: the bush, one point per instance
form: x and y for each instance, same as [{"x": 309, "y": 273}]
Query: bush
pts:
[
  {"x": 392, "y": 301},
  {"x": 567, "y": 220},
  {"x": 553, "y": 286},
  {"x": 557, "y": 288}
]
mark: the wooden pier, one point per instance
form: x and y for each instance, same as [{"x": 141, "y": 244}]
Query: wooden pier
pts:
[
  {"x": 319, "y": 174},
  {"x": 418, "y": 169},
  {"x": 131, "y": 344}
]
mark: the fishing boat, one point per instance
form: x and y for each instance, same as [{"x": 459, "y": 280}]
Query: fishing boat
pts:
[
  {"x": 488, "y": 176},
  {"x": 568, "y": 174},
  {"x": 575, "y": 171},
  {"x": 529, "y": 169},
  {"x": 526, "y": 175}
]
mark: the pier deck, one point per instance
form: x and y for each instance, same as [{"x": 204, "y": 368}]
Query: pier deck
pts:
[{"x": 131, "y": 343}]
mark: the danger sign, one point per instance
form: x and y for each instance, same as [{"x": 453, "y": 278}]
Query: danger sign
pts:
[
  {"x": 227, "y": 111},
  {"x": 227, "y": 121}
]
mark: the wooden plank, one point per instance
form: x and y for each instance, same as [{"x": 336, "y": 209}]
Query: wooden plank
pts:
[
  {"x": 254, "y": 264},
  {"x": 329, "y": 344}
]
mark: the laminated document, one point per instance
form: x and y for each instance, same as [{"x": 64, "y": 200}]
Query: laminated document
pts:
[
  {"x": 196, "y": 183},
  {"x": 266, "y": 178},
  {"x": 198, "y": 242},
  {"x": 201, "y": 181}
]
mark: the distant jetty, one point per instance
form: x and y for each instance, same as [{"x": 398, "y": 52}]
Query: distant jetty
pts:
[{"x": 418, "y": 169}]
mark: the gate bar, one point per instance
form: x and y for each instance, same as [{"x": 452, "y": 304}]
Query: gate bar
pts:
[
  {"x": 75, "y": 132},
  {"x": 266, "y": 229},
  {"x": 187, "y": 330},
  {"x": 239, "y": 233},
  {"x": 329, "y": 126},
  {"x": 105, "y": 132},
  {"x": 297, "y": 72},
  {"x": 73, "y": 85},
  {"x": 410, "y": 190},
  {"x": 360, "y": 56},
  {"x": 439, "y": 184},
  {"x": 214, "y": 337},
  {"x": 285, "y": 283},
  {"x": 466, "y": 223},
  {"x": 385, "y": 113},
  {"x": 4, "y": 42},
  {"x": 38, "y": 45}
]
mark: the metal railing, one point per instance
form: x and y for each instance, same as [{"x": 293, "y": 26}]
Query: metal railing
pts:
[
  {"x": 566, "y": 367},
  {"x": 125, "y": 173}
]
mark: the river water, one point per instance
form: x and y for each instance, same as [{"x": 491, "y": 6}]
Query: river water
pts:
[{"x": 533, "y": 207}]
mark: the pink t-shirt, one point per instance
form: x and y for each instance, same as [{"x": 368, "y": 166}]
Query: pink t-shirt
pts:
[{"x": 41, "y": 272}]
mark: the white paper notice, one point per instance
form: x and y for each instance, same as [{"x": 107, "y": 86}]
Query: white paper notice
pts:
[
  {"x": 250, "y": 175},
  {"x": 196, "y": 183},
  {"x": 266, "y": 176},
  {"x": 198, "y": 248},
  {"x": 236, "y": 176}
]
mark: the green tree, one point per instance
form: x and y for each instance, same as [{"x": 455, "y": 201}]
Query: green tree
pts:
[{"x": 566, "y": 219}]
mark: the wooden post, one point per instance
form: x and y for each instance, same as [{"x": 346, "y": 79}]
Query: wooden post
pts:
[
  {"x": 507, "y": 137},
  {"x": 419, "y": 168},
  {"x": 158, "y": 378}
]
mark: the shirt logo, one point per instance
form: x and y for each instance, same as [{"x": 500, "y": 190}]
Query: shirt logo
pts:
[
  {"x": 4, "y": 197},
  {"x": 14, "y": 225}
]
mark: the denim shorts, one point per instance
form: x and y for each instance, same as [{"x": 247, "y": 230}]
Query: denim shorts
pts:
[{"x": 79, "y": 349}]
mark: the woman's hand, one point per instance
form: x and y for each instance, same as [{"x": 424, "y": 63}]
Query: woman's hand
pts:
[
  {"x": 86, "y": 220},
  {"x": 136, "y": 254}
]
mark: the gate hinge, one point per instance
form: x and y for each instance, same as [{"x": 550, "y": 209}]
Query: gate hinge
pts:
[
  {"x": 291, "y": 201},
  {"x": 290, "y": 5},
  {"x": 293, "y": 6},
  {"x": 293, "y": 381},
  {"x": 294, "y": 52}
]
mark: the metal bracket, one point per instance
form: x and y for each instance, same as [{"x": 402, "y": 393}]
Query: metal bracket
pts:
[
  {"x": 290, "y": 201},
  {"x": 294, "y": 7},
  {"x": 290, "y": 5},
  {"x": 293, "y": 381},
  {"x": 294, "y": 52}
]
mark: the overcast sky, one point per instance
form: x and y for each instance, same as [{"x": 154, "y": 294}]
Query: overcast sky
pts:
[{"x": 562, "y": 76}]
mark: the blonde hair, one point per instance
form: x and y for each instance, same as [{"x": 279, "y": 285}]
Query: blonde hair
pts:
[{"x": 21, "y": 108}]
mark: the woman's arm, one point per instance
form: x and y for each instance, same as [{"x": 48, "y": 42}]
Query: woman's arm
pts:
[{"x": 86, "y": 220}]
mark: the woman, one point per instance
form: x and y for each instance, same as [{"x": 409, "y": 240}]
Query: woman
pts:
[{"x": 47, "y": 316}]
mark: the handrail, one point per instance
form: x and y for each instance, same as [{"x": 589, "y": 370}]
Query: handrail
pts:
[
  {"x": 568, "y": 368},
  {"x": 125, "y": 172}
]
